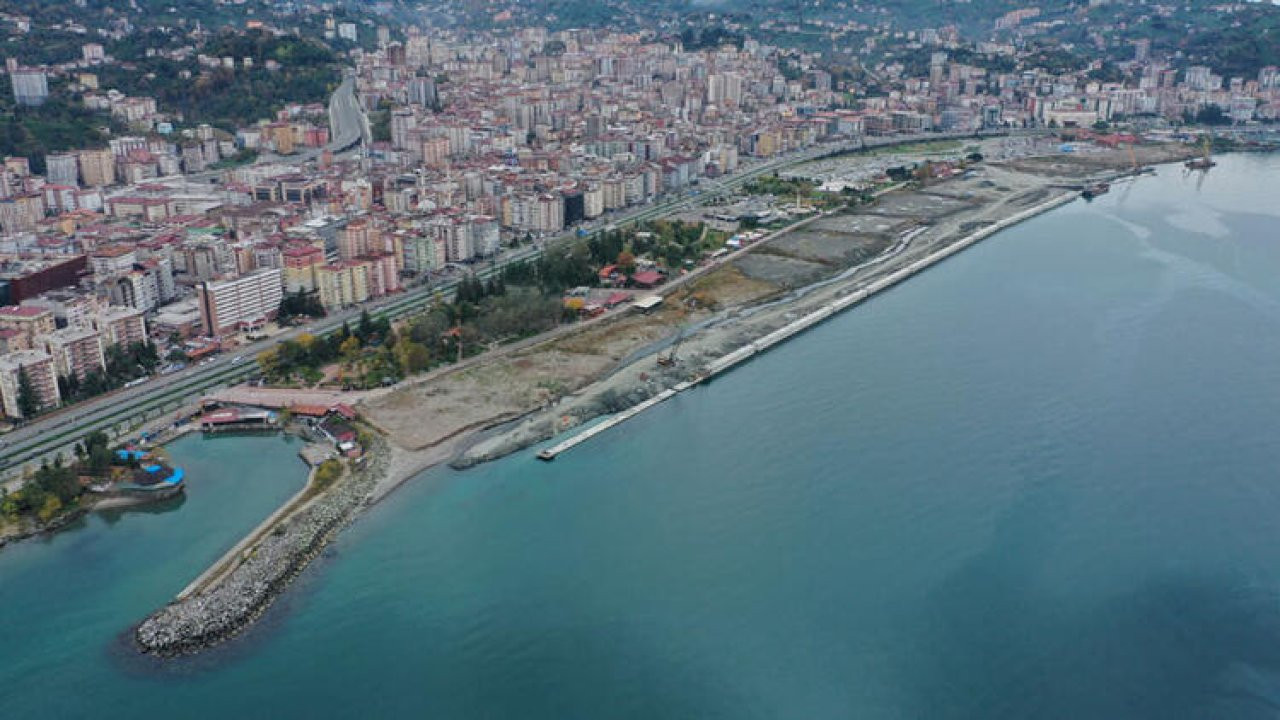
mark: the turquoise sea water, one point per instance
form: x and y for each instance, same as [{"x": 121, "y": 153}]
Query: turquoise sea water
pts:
[{"x": 1040, "y": 480}]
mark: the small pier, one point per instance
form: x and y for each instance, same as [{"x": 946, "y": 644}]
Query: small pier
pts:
[{"x": 612, "y": 421}]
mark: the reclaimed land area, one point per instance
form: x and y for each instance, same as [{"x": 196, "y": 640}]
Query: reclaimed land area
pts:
[
  {"x": 532, "y": 394},
  {"x": 511, "y": 398}
]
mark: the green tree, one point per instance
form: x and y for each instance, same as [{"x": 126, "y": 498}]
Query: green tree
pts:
[
  {"x": 28, "y": 399},
  {"x": 413, "y": 357},
  {"x": 350, "y": 349},
  {"x": 1212, "y": 115},
  {"x": 51, "y": 507},
  {"x": 365, "y": 329},
  {"x": 97, "y": 452}
]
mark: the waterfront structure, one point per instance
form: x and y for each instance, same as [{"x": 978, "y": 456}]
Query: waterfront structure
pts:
[{"x": 226, "y": 305}]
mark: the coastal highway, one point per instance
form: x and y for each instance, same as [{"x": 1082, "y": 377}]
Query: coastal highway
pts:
[{"x": 122, "y": 409}]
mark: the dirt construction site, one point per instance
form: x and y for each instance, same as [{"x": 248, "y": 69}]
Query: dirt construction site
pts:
[{"x": 525, "y": 394}]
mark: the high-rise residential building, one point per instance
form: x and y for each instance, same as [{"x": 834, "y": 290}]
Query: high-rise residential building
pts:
[
  {"x": 422, "y": 253},
  {"x": 343, "y": 284},
  {"x": 356, "y": 239},
  {"x": 62, "y": 169},
  {"x": 402, "y": 121},
  {"x": 39, "y": 369},
  {"x": 119, "y": 325},
  {"x": 30, "y": 321},
  {"x": 384, "y": 274},
  {"x": 76, "y": 352},
  {"x": 434, "y": 151},
  {"x": 300, "y": 266},
  {"x": 226, "y": 305},
  {"x": 139, "y": 288},
  {"x": 108, "y": 261},
  {"x": 724, "y": 88},
  {"x": 21, "y": 213},
  {"x": 1269, "y": 77},
  {"x": 30, "y": 86},
  {"x": 422, "y": 91}
]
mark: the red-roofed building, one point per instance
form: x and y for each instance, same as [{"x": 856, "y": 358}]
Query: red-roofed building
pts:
[
  {"x": 30, "y": 321},
  {"x": 647, "y": 279}
]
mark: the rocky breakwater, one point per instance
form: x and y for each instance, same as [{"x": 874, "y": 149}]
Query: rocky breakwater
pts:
[{"x": 237, "y": 598}]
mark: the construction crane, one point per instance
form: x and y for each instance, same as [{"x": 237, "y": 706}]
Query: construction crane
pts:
[{"x": 1206, "y": 160}]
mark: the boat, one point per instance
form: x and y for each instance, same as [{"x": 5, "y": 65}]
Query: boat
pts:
[
  {"x": 1203, "y": 162},
  {"x": 1139, "y": 169},
  {"x": 1092, "y": 191}
]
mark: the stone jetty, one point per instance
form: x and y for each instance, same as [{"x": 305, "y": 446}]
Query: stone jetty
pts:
[{"x": 228, "y": 605}]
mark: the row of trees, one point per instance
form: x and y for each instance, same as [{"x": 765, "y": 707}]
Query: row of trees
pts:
[
  {"x": 373, "y": 353},
  {"x": 466, "y": 327},
  {"x": 554, "y": 271},
  {"x": 520, "y": 301},
  {"x": 122, "y": 365},
  {"x": 302, "y": 357},
  {"x": 300, "y": 304}
]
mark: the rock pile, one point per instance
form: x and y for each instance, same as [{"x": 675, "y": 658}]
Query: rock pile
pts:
[{"x": 219, "y": 612}]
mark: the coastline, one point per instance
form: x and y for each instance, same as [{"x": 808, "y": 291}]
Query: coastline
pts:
[
  {"x": 848, "y": 297},
  {"x": 234, "y": 592},
  {"x": 162, "y": 432},
  {"x": 227, "y": 598}
]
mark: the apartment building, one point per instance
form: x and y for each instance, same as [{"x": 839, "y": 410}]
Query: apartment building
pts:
[
  {"x": 76, "y": 352},
  {"x": 226, "y": 305},
  {"x": 39, "y": 369},
  {"x": 118, "y": 325},
  {"x": 300, "y": 266},
  {"x": 30, "y": 322}
]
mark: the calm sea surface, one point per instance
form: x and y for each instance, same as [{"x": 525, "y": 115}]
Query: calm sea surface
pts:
[{"x": 1040, "y": 480}]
